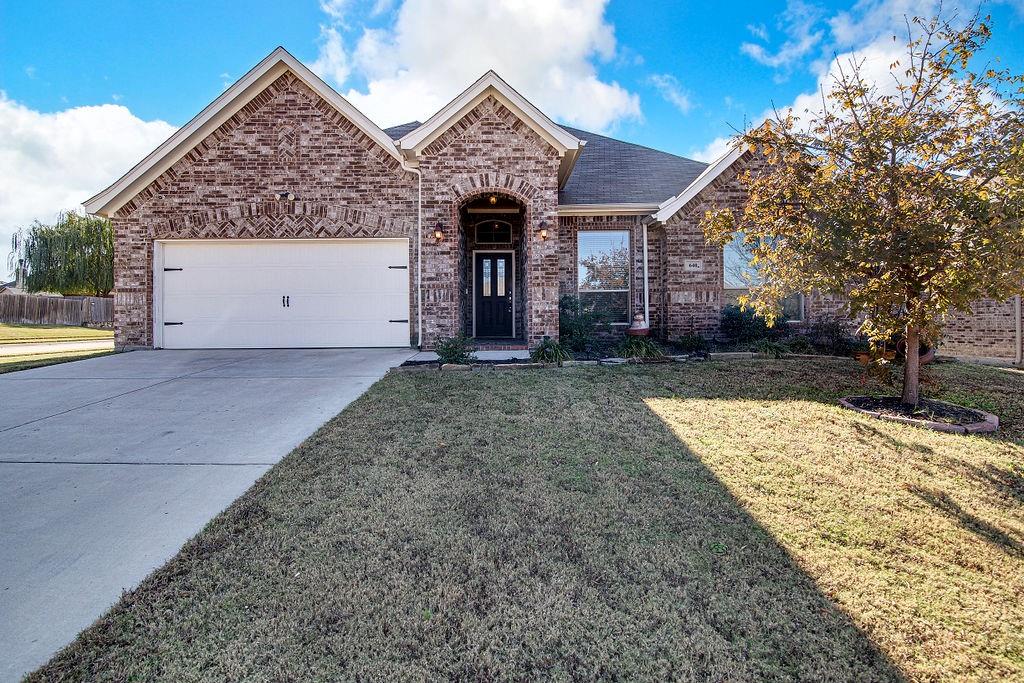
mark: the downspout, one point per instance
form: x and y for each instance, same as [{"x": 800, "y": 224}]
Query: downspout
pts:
[
  {"x": 419, "y": 253},
  {"x": 647, "y": 286}
]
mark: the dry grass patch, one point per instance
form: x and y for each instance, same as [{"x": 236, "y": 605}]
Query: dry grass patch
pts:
[
  {"x": 703, "y": 522},
  {"x": 11, "y": 333}
]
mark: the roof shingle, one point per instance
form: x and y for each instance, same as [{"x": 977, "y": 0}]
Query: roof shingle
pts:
[{"x": 611, "y": 171}]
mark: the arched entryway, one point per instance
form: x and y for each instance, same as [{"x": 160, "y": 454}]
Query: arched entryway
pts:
[{"x": 492, "y": 265}]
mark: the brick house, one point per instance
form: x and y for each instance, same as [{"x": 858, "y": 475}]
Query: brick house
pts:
[{"x": 282, "y": 216}]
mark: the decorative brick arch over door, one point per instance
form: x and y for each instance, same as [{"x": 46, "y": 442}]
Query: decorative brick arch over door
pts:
[{"x": 541, "y": 255}]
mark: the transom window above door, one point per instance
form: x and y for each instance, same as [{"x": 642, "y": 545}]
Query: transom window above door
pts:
[
  {"x": 493, "y": 232},
  {"x": 603, "y": 272}
]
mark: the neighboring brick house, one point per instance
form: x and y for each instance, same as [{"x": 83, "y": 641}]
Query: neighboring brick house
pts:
[{"x": 282, "y": 216}]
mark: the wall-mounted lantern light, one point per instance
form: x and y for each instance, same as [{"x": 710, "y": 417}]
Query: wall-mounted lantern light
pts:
[
  {"x": 543, "y": 231},
  {"x": 438, "y": 232},
  {"x": 493, "y": 199},
  {"x": 286, "y": 195}
]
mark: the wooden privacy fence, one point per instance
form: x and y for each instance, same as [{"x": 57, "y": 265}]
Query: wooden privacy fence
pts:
[{"x": 56, "y": 310}]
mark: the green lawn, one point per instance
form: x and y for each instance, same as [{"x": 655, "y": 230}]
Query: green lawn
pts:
[
  {"x": 23, "y": 334},
  {"x": 714, "y": 521},
  {"x": 15, "y": 363}
]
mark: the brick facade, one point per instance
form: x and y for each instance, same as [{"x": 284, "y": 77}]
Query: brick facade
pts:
[
  {"x": 489, "y": 151},
  {"x": 989, "y": 331},
  {"x": 692, "y": 287},
  {"x": 287, "y": 138}
]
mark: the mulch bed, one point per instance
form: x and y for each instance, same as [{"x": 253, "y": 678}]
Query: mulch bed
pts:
[
  {"x": 509, "y": 361},
  {"x": 928, "y": 413}
]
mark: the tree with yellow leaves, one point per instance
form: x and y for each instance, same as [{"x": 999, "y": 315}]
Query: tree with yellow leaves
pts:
[{"x": 904, "y": 197}]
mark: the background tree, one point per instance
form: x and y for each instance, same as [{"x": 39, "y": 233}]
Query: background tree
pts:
[
  {"x": 73, "y": 256},
  {"x": 904, "y": 197}
]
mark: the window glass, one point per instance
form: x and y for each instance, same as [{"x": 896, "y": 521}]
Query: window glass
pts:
[
  {"x": 793, "y": 308},
  {"x": 740, "y": 276},
  {"x": 494, "y": 232},
  {"x": 500, "y": 263},
  {"x": 486, "y": 276},
  {"x": 603, "y": 272}
]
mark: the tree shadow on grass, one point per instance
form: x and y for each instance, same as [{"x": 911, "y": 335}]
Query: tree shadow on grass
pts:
[
  {"x": 575, "y": 538},
  {"x": 942, "y": 502},
  {"x": 1005, "y": 482}
]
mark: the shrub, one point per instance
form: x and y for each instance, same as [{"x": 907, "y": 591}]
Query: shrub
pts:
[
  {"x": 692, "y": 343},
  {"x": 457, "y": 350},
  {"x": 549, "y": 351},
  {"x": 578, "y": 324},
  {"x": 771, "y": 348},
  {"x": 800, "y": 344},
  {"x": 832, "y": 337},
  {"x": 744, "y": 326},
  {"x": 639, "y": 347}
]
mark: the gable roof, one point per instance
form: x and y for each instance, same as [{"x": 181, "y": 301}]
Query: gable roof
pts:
[
  {"x": 491, "y": 84},
  {"x": 669, "y": 207},
  {"x": 611, "y": 171},
  {"x": 226, "y": 105}
]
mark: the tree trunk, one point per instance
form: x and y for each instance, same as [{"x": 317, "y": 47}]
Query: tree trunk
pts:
[{"x": 912, "y": 368}]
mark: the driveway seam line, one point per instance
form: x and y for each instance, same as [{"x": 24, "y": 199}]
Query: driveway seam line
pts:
[{"x": 126, "y": 393}]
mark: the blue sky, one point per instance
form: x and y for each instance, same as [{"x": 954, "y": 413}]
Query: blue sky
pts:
[{"x": 88, "y": 88}]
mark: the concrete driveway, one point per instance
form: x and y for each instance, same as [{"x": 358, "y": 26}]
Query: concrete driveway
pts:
[{"x": 108, "y": 465}]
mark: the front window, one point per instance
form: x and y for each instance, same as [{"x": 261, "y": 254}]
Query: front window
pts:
[
  {"x": 603, "y": 272},
  {"x": 740, "y": 276}
]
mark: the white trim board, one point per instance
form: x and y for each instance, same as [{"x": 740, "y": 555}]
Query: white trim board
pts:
[
  {"x": 669, "y": 207},
  {"x": 215, "y": 114},
  {"x": 625, "y": 209}
]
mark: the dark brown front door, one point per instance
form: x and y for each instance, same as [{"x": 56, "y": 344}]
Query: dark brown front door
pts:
[{"x": 493, "y": 295}]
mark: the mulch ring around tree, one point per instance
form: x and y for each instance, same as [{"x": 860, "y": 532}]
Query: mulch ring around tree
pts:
[{"x": 929, "y": 413}]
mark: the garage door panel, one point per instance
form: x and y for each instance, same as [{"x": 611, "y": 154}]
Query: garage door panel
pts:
[
  {"x": 340, "y": 293},
  {"x": 210, "y": 334}
]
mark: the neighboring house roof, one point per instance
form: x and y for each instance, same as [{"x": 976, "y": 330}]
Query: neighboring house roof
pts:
[
  {"x": 396, "y": 132},
  {"x": 230, "y": 101},
  {"x": 492, "y": 85},
  {"x": 671, "y": 206}
]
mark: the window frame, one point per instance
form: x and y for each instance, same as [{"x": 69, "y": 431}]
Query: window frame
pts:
[
  {"x": 629, "y": 271},
  {"x": 476, "y": 232}
]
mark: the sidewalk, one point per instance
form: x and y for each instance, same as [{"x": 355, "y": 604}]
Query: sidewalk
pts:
[{"x": 38, "y": 348}]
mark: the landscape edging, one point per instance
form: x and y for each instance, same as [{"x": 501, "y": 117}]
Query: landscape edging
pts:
[{"x": 987, "y": 426}]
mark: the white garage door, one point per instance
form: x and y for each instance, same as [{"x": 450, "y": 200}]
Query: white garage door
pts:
[{"x": 283, "y": 293}]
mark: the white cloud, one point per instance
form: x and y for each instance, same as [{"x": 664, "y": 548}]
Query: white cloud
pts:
[
  {"x": 712, "y": 150},
  {"x": 335, "y": 9},
  {"x": 864, "y": 32},
  {"x": 670, "y": 89},
  {"x": 332, "y": 62},
  {"x": 433, "y": 49},
  {"x": 799, "y": 22},
  {"x": 52, "y": 162},
  {"x": 758, "y": 31}
]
